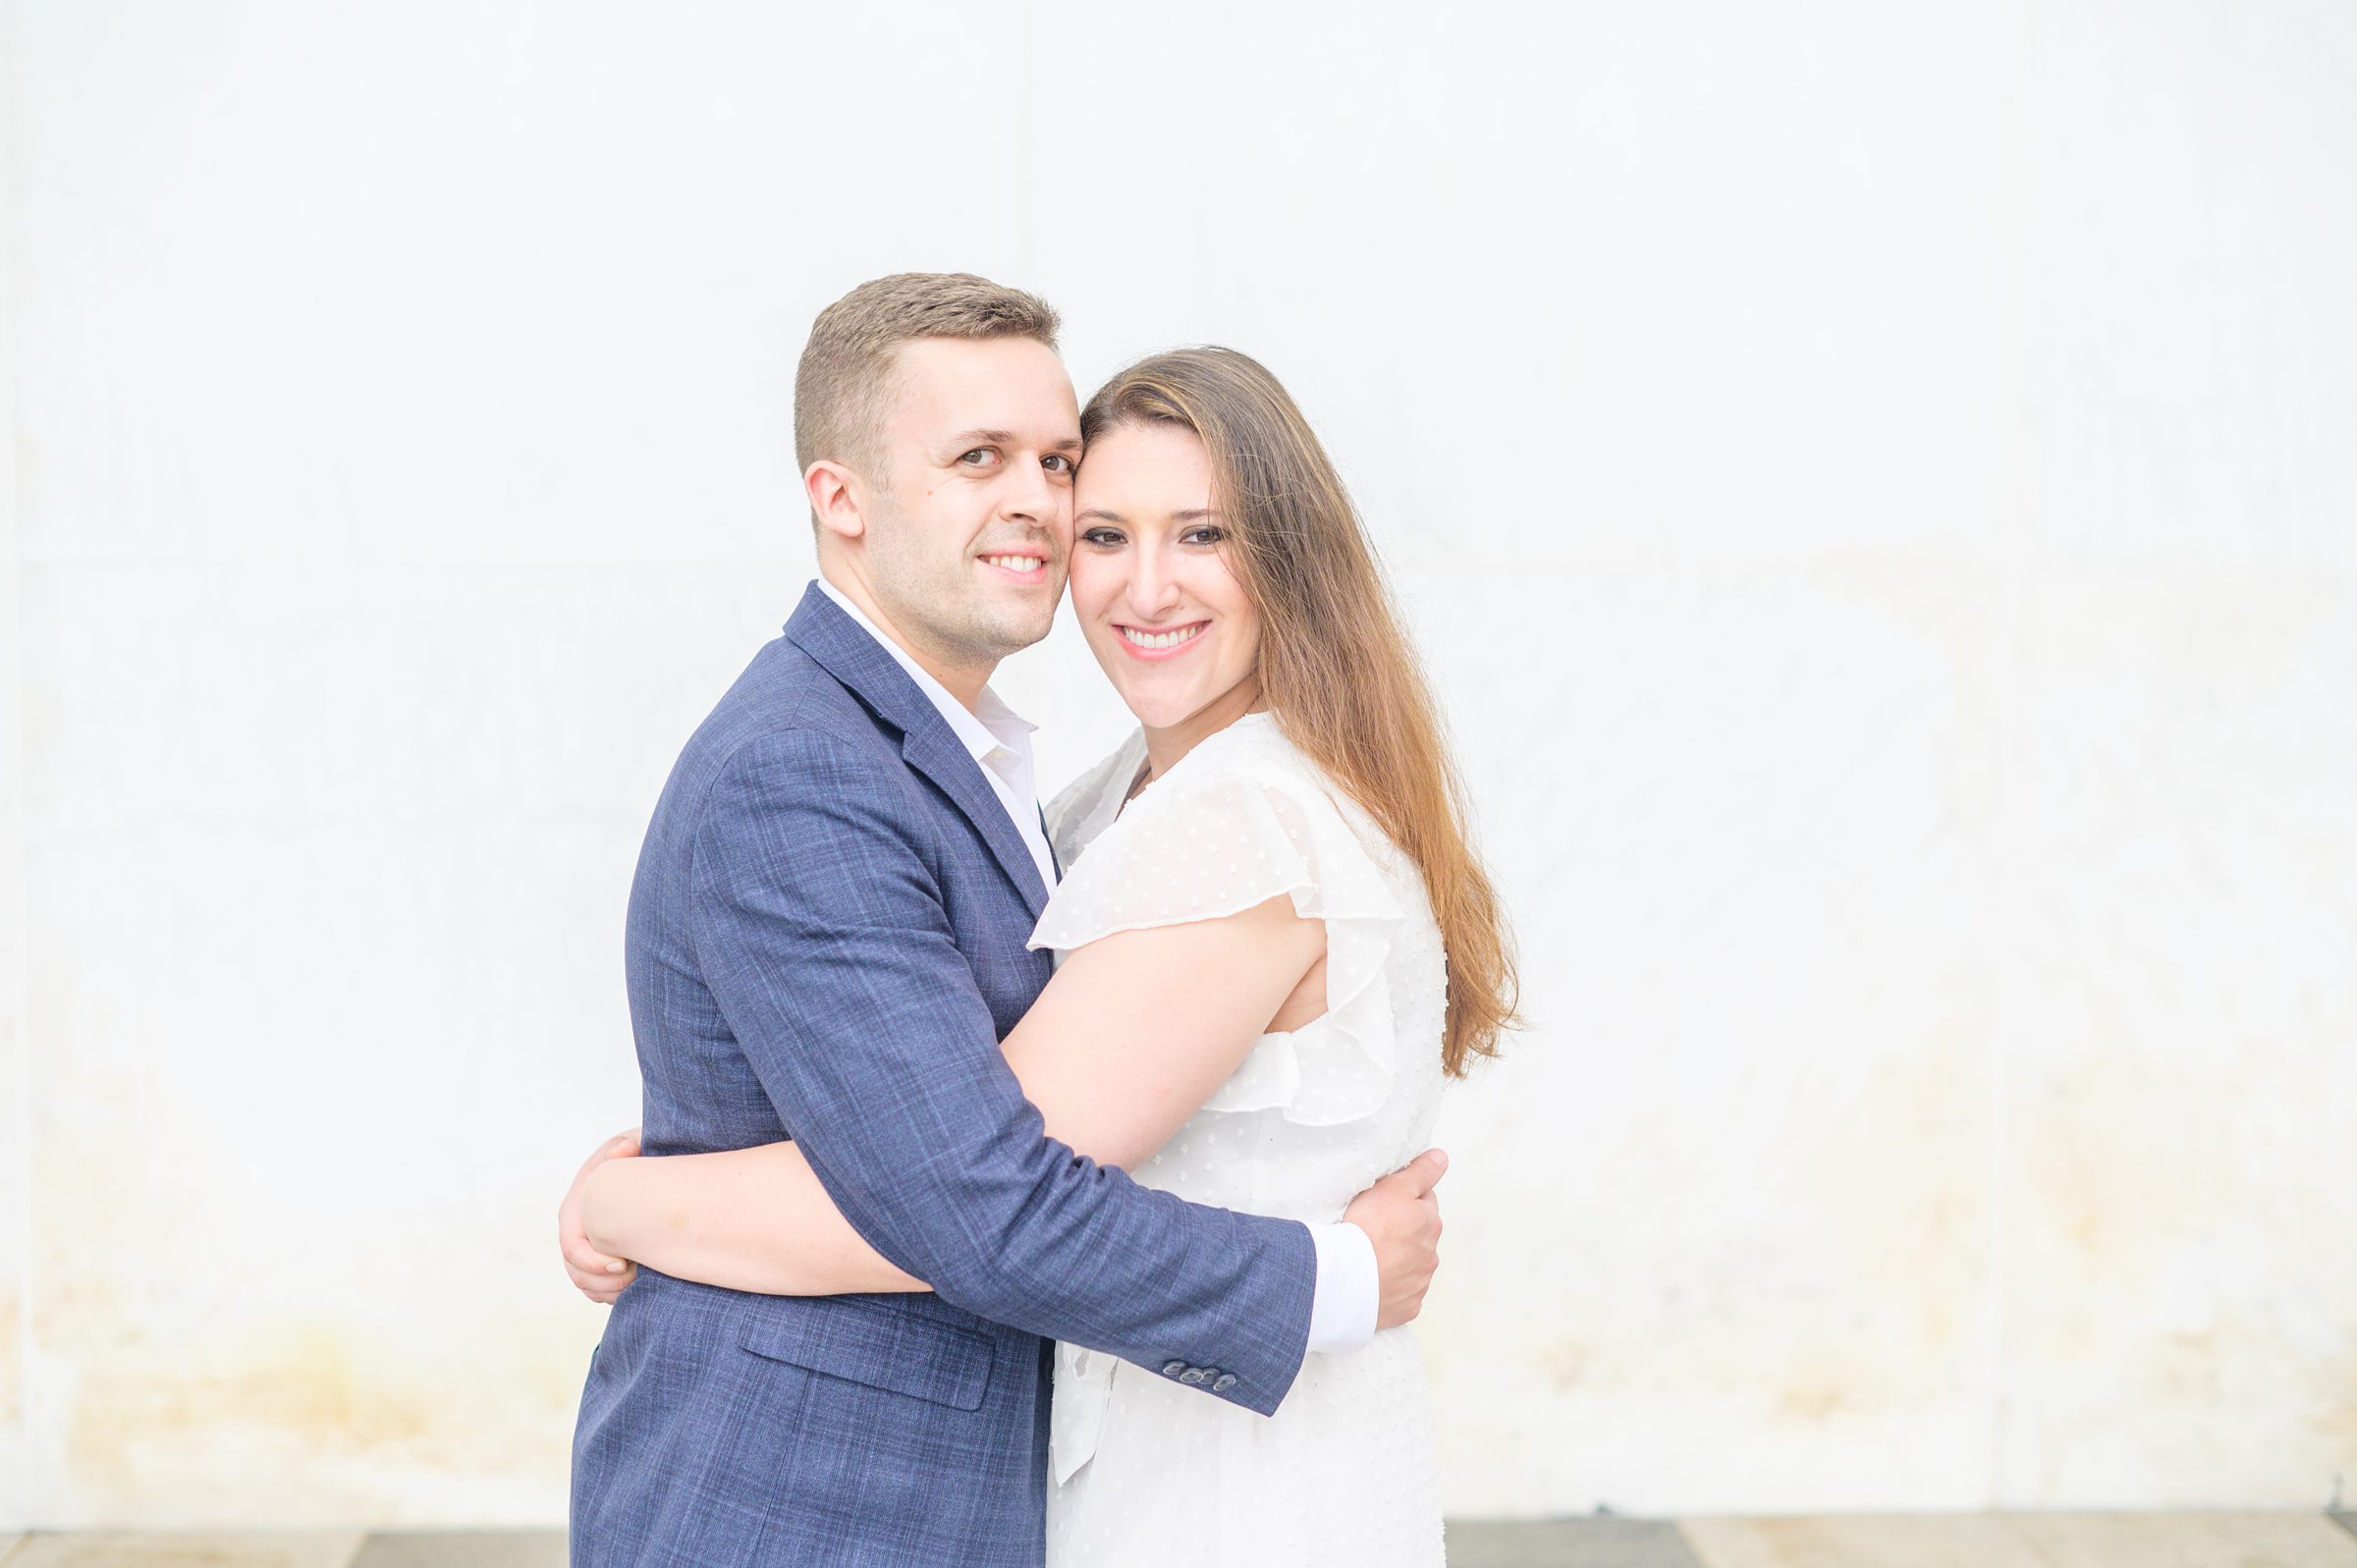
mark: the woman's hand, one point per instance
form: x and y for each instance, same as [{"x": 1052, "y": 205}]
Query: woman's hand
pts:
[{"x": 594, "y": 1274}]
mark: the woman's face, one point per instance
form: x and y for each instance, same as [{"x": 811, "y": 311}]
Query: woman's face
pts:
[{"x": 1171, "y": 626}]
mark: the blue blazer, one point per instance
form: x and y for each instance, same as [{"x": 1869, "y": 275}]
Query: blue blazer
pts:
[{"x": 825, "y": 943}]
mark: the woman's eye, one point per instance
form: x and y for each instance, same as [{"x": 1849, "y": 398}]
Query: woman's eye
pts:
[
  {"x": 1101, "y": 536},
  {"x": 1206, "y": 535}
]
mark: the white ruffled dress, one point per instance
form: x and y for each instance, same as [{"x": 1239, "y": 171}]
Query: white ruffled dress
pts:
[{"x": 1145, "y": 1472}]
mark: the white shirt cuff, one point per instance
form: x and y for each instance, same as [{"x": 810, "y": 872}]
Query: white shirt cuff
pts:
[{"x": 1349, "y": 1290}]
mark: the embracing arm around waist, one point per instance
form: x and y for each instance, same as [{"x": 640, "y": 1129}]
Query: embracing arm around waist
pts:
[
  {"x": 810, "y": 882},
  {"x": 1133, "y": 1035}
]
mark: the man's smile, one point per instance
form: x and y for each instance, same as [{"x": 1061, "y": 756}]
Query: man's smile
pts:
[{"x": 1021, "y": 565}]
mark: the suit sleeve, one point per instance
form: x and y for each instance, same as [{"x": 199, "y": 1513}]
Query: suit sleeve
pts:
[{"x": 821, "y": 935}]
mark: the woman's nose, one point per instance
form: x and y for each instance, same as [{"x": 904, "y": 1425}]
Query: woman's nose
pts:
[{"x": 1151, "y": 591}]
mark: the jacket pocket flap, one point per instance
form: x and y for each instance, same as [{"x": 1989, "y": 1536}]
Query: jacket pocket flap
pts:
[{"x": 880, "y": 1348}]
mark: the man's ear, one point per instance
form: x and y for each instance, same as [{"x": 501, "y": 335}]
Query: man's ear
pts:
[{"x": 835, "y": 500}]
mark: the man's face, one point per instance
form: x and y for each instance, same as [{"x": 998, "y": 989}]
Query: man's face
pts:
[{"x": 970, "y": 529}]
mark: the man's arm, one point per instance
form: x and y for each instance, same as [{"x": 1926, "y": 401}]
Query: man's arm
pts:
[{"x": 821, "y": 934}]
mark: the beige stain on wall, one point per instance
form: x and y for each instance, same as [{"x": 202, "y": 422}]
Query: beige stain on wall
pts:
[
  {"x": 1789, "y": 1260},
  {"x": 299, "y": 1378},
  {"x": 2332, "y": 1420},
  {"x": 1897, "y": 1208},
  {"x": 2170, "y": 1264},
  {"x": 11, "y": 1359},
  {"x": 198, "y": 1432}
]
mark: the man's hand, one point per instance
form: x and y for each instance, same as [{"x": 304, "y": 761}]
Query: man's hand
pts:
[
  {"x": 1403, "y": 1218},
  {"x": 594, "y": 1274}
]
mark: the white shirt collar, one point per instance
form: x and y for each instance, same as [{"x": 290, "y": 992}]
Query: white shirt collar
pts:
[{"x": 981, "y": 729}]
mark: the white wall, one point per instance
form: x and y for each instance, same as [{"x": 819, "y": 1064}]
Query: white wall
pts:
[
  {"x": 1874, "y": 483},
  {"x": 16, "y": 1104}
]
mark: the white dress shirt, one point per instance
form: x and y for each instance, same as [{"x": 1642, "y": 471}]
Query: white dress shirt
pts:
[
  {"x": 997, "y": 737},
  {"x": 1349, "y": 1287}
]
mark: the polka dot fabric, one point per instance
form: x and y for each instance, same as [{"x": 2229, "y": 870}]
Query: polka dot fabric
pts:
[{"x": 1147, "y": 1473}]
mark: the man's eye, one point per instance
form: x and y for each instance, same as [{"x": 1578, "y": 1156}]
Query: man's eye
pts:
[
  {"x": 1057, "y": 462},
  {"x": 986, "y": 454}
]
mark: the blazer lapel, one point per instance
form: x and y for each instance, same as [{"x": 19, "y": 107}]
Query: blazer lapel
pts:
[
  {"x": 928, "y": 745},
  {"x": 1049, "y": 839}
]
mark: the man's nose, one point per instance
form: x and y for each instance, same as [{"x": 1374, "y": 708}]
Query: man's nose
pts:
[{"x": 1031, "y": 497}]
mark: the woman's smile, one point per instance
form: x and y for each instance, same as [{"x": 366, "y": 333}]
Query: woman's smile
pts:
[{"x": 1166, "y": 642}]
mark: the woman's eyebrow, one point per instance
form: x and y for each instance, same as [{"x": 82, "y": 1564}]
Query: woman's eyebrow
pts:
[{"x": 1190, "y": 515}]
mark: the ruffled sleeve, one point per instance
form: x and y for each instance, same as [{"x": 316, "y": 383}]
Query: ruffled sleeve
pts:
[{"x": 1220, "y": 835}]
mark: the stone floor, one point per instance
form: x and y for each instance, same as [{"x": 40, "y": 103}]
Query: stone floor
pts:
[{"x": 1857, "y": 1540}]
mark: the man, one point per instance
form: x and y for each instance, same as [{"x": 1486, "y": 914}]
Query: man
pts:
[{"x": 827, "y": 941}]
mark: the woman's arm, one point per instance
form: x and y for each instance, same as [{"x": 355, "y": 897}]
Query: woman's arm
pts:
[
  {"x": 748, "y": 1220},
  {"x": 1137, "y": 1029},
  {"x": 1130, "y": 1038}
]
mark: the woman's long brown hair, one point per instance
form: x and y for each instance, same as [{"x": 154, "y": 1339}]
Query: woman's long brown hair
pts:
[{"x": 1334, "y": 667}]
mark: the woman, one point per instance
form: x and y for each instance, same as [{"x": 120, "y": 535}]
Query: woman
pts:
[{"x": 1287, "y": 776}]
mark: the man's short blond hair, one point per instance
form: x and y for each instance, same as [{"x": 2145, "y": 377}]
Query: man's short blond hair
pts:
[{"x": 843, "y": 389}]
